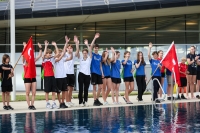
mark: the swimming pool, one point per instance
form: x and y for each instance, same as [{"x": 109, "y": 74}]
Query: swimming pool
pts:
[{"x": 180, "y": 118}]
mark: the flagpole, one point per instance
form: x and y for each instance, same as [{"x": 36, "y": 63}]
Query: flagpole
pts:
[
  {"x": 152, "y": 75},
  {"x": 17, "y": 62}
]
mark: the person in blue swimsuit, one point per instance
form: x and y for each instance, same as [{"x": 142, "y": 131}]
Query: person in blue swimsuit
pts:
[
  {"x": 128, "y": 76},
  {"x": 107, "y": 83},
  {"x": 96, "y": 71},
  {"x": 156, "y": 72},
  {"x": 115, "y": 75}
]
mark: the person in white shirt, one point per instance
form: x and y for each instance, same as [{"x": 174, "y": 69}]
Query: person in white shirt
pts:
[
  {"x": 84, "y": 74},
  {"x": 69, "y": 69},
  {"x": 59, "y": 75}
]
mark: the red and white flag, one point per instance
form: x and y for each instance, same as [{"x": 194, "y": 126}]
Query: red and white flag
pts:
[
  {"x": 28, "y": 54},
  {"x": 170, "y": 61}
]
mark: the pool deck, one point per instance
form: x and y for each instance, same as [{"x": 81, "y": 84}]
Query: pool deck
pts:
[{"x": 21, "y": 107}]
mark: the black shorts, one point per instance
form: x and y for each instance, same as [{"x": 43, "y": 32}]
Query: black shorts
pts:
[
  {"x": 106, "y": 77},
  {"x": 128, "y": 79},
  {"x": 61, "y": 84},
  {"x": 70, "y": 80},
  {"x": 162, "y": 75},
  {"x": 96, "y": 79},
  {"x": 183, "y": 82},
  {"x": 50, "y": 84},
  {"x": 6, "y": 88},
  {"x": 198, "y": 75},
  {"x": 29, "y": 80},
  {"x": 192, "y": 71},
  {"x": 116, "y": 80}
]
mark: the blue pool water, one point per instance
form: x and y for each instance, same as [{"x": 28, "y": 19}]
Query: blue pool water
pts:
[{"x": 176, "y": 118}]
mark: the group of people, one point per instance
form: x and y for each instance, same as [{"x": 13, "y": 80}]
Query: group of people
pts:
[{"x": 102, "y": 71}]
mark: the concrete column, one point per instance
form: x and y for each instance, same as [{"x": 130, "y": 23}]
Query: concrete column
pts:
[{"x": 12, "y": 43}]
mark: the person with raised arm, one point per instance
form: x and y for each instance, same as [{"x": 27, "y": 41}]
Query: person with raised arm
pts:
[
  {"x": 140, "y": 75},
  {"x": 49, "y": 79},
  {"x": 156, "y": 73},
  {"x": 30, "y": 83},
  {"x": 96, "y": 71},
  {"x": 69, "y": 69},
  {"x": 84, "y": 74},
  {"x": 60, "y": 76},
  {"x": 107, "y": 83},
  {"x": 128, "y": 76},
  {"x": 115, "y": 75}
]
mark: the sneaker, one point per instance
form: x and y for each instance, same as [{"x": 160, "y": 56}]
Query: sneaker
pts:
[
  {"x": 61, "y": 105},
  {"x": 54, "y": 106},
  {"x": 115, "y": 103},
  {"x": 96, "y": 103},
  {"x": 198, "y": 96},
  {"x": 86, "y": 104},
  {"x": 10, "y": 108},
  {"x": 99, "y": 102},
  {"x": 71, "y": 104},
  {"x": 48, "y": 106},
  {"x": 30, "y": 107},
  {"x": 5, "y": 107},
  {"x": 119, "y": 103},
  {"x": 81, "y": 105},
  {"x": 183, "y": 97},
  {"x": 68, "y": 104},
  {"x": 170, "y": 98},
  {"x": 157, "y": 101},
  {"x": 65, "y": 106},
  {"x": 140, "y": 101},
  {"x": 129, "y": 103},
  {"x": 33, "y": 107},
  {"x": 178, "y": 98},
  {"x": 106, "y": 103}
]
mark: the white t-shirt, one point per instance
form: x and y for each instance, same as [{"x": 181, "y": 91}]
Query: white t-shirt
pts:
[
  {"x": 85, "y": 65},
  {"x": 59, "y": 68},
  {"x": 69, "y": 65}
]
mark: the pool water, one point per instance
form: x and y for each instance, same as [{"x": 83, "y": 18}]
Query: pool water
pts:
[{"x": 167, "y": 118}]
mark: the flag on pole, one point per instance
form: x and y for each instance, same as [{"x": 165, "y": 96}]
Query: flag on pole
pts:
[
  {"x": 28, "y": 54},
  {"x": 170, "y": 61}
]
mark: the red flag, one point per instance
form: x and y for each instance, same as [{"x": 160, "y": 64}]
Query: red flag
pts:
[
  {"x": 170, "y": 61},
  {"x": 28, "y": 53}
]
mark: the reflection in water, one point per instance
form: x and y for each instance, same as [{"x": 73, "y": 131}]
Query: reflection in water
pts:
[{"x": 182, "y": 117}]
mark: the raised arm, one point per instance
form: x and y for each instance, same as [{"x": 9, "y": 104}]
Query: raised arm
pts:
[
  {"x": 63, "y": 53},
  {"x": 113, "y": 59},
  {"x": 88, "y": 47},
  {"x": 97, "y": 35},
  {"x": 106, "y": 56},
  {"x": 24, "y": 44},
  {"x": 71, "y": 57},
  {"x": 77, "y": 46},
  {"x": 46, "y": 43},
  {"x": 149, "y": 51},
  {"x": 40, "y": 52},
  {"x": 57, "y": 51}
]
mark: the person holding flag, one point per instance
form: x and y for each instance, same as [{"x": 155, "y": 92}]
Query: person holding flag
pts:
[
  {"x": 156, "y": 71},
  {"x": 192, "y": 71},
  {"x": 170, "y": 62},
  {"x": 30, "y": 71}
]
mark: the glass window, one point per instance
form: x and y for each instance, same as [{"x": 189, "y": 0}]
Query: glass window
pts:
[
  {"x": 192, "y": 24},
  {"x": 112, "y": 32},
  {"x": 168, "y": 37}
]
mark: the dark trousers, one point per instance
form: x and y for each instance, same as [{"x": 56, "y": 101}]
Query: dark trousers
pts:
[
  {"x": 141, "y": 84},
  {"x": 84, "y": 83},
  {"x": 156, "y": 87}
]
